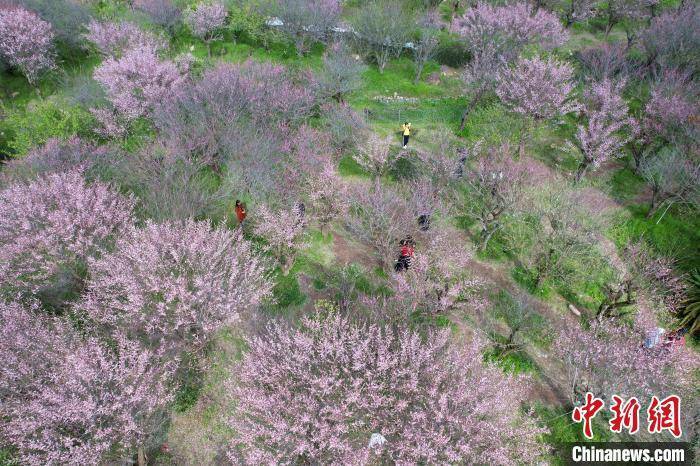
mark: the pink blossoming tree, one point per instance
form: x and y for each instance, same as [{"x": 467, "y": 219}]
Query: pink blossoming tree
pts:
[
  {"x": 53, "y": 225},
  {"x": 611, "y": 359},
  {"x": 31, "y": 346},
  {"x": 26, "y": 42},
  {"x": 333, "y": 392},
  {"x": 306, "y": 21},
  {"x": 113, "y": 39},
  {"x": 134, "y": 84},
  {"x": 375, "y": 155},
  {"x": 609, "y": 126},
  {"x": 509, "y": 28},
  {"x": 327, "y": 195},
  {"x": 173, "y": 285},
  {"x": 496, "y": 185},
  {"x": 97, "y": 405},
  {"x": 284, "y": 231},
  {"x": 436, "y": 282},
  {"x": 537, "y": 89},
  {"x": 206, "y": 21}
]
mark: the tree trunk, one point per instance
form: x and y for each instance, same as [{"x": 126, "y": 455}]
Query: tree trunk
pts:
[
  {"x": 486, "y": 235},
  {"x": 470, "y": 107},
  {"x": 141, "y": 457},
  {"x": 654, "y": 206},
  {"x": 581, "y": 171},
  {"x": 419, "y": 71}
]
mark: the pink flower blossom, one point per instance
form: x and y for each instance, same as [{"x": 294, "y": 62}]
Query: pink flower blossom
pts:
[
  {"x": 173, "y": 285},
  {"x": 26, "y": 42},
  {"x": 320, "y": 392},
  {"x": 56, "y": 223}
]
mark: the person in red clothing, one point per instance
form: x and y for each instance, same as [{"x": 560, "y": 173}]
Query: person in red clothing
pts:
[
  {"x": 408, "y": 246},
  {"x": 240, "y": 211}
]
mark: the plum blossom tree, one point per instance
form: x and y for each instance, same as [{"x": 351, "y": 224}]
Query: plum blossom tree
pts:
[
  {"x": 31, "y": 345},
  {"x": 134, "y": 84},
  {"x": 379, "y": 217},
  {"x": 509, "y": 28},
  {"x": 51, "y": 226},
  {"x": 26, "y": 42},
  {"x": 375, "y": 155},
  {"x": 672, "y": 110},
  {"x": 55, "y": 156},
  {"x": 537, "y": 89},
  {"x": 382, "y": 29},
  {"x": 162, "y": 12},
  {"x": 424, "y": 49},
  {"x": 628, "y": 13},
  {"x": 334, "y": 392},
  {"x": 306, "y": 21},
  {"x": 327, "y": 195},
  {"x": 609, "y": 125},
  {"x": 113, "y": 39},
  {"x": 610, "y": 359},
  {"x": 552, "y": 233},
  {"x": 496, "y": 184},
  {"x": 480, "y": 77},
  {"x": 171, "y": 286},
  {"x": 341, "y": 73},
  {"x": 206, "y": 21},
  {"x": 436, "y": 282},
  {"x": 673, "y": 40},
  {"x": 673, "y": 178},
  {"x": 284, "y": 231},
  {"x": 574, "y": 11},
  {"x": 233, "y": 112},
  {"x": 98, "y": 404},
  {"x": 668, "y": 116},
  {"x": 605, "y": 61}
]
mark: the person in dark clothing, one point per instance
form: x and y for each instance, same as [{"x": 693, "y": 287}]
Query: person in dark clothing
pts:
[
  {"x": 424, "y": 222},
  {"x": 406, "y": 254}
]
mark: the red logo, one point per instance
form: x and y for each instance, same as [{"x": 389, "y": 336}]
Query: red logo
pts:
[
  {"x": 587, "y": 412},
  {"x": 665, "y": 415},
  {"x": 626, "y": 415}
]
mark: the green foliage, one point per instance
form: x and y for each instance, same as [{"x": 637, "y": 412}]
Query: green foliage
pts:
[
  {"x": 44, "y": 119},
  {"x": 625, "y": 184},
  {"x": 287, "y": 292},
  {"x": 689, "y": 313},
  {"x": 675, "y": 235},
  {"x": 190, "y": 385},
  {"x": 452, "y": 51},
  {"x": 492, "y": 124},
  {"x": 513, "y": 362}
]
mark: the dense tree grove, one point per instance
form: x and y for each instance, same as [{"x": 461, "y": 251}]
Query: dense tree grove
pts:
[
  {"x": 312, "y": 232},
  {"x": 322, "y": 392}
]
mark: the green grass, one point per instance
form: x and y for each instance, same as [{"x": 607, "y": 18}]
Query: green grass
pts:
[
  {"x": 347, "y": 167},
  {"x": 514, "y": 362},
  {"x": 675, "y": 235},
  {"x": 624, "y": 185}
]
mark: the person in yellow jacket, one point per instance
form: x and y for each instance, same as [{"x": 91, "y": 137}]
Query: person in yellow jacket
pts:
[{"x": 406, "y": 129}]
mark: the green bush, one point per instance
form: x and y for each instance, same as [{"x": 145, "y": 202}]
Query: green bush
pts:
[
  {"x": 42, "y": 120},
  {"x": 452, "y": 51}
]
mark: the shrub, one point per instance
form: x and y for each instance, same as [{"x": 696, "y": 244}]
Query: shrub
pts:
[
  {"x": 26, "y": 42},
  {"x": 45, "y": 119}
]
